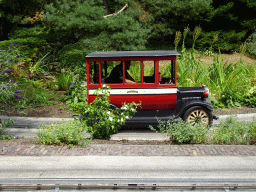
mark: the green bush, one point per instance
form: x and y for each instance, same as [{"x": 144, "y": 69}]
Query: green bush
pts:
[
  {"x": 101, "y": 119},
  {"x": 251, "y": 44},
  {"x": 231, "y": 131},
  {"x": 64, "y": 79},
  {"x": 23, "y": 32},
  {"x": 72, "y": 56},
  {"x": 76, "y": 94},
  {"x": 30, "y": 45},
  {"x": 249, "y": 99},
  {"x": 3, "y": 134},
  {"x": 31, "y": 95},
  {"x": 182, "y": 132},
  {"x": 228, "y": 41},
  {"x": 252, "y": 132},
  {"x": 6, "y": 93},
  {"x": 228, "y": 83},
  {"x": 71, "y": 132}
]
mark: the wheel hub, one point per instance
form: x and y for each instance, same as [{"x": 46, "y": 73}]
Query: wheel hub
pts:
[{"x": 198, "y": 116}]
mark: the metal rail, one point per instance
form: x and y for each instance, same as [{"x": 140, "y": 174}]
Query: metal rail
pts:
[{"x": 123, "y": 183}]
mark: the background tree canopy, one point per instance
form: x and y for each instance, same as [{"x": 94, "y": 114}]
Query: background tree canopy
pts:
[
  {"x": 83, "y": 21},
  {"x": 74, "y": 28}
]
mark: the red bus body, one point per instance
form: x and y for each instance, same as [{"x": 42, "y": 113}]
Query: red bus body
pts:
[{"x": 157, "y": 100}]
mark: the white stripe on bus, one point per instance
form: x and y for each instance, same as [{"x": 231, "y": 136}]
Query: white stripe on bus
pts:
[{"x": 138, "y": 91}]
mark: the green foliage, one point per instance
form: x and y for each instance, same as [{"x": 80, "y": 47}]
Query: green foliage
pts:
[
  {"x": 29, "y": 45},
  {"x": 230, "y": 83},
  {"x": 37, "y": 68},
  {"x": 64, "y": 79},
  {"x": 7, "y": 57},
  {"x": 190, "y": 71},
  {"x": 121, "y": 33},
  {"x": 32, "y": 95},
  {"x": 167, "y": 17},
  {"x": 229, "y": 131},
  {"x": 228, "y": 41},
  {"x": 6, "y": 123},
  {"x": 133, "y": 71},
  {"x": 249, "y": 98},
  {"x": 75, "y": 96},
  {"x": 224, "y": 76},
  {"x": 6, "y": 94},
  {"x": 232, "y": 131},
  {"x": 229, "y": 98},
  {"x": 177, "y": 39},
  {"x": 84, "y": 20},
  {"x": 182, "y": 132},
  {"x": 37, "y": 96},
  {"x": 72, "y": 56},
  {"x": 3, "y": 134},
  {"x": 71, "y": 132},
  {"x": 101, "y": 119},
  {"x": 22, "y": 32},
  {"x": 251, "y": 44}
]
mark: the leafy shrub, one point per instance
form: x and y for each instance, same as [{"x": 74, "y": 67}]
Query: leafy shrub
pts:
[
  {"x": 7, "y": 57},
  {"x": 3, "y": 134},
  {"x": 190, "y": 71},
  {"x": 32, "y": 95},
  {"x": 228, "y": 41},
  {"x": 229, "y": 98},
  {"x": 30, "y": 45},
  {"x": 64, "y": 79},
  {"x": 6, "y": 93},
  {"x": 72, "y": 56},
  {"x": 101, "y": 119},
  {"x": 23, "y": 32},
  {"x": 249, "y": 99},
  {"x": 231, "y": 131},
  {"x": 251, "y": 44},
  {"x": 76, "y": 94},
  {"x": 71, "y": 132},
  {"x": 252, "y": 132},
  {"x": 229, "y": 83},
  {"x": 182, "y": 132}
]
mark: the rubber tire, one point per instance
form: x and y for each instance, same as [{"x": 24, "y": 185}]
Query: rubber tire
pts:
[{"x": 185, "y": 116}]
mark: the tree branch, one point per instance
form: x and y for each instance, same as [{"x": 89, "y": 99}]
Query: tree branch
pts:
[{"x": 126, "y": 5}]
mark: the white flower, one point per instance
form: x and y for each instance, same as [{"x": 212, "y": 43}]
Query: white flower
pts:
[
  {"x": 110, "y": 118},
  {"x": 127, "y": 117},
  {"x": 104, "y": 85},
  {"x": 118, "y": 120},
  {"x": 124, "y": 108},
  {"x": 108, "y": 112},
  {"x": 133, "y": 109},
  {"x": 122, "y": 119},
  {"x": 245, "y": 135}
]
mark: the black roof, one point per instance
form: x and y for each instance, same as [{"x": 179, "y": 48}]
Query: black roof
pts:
[{"x": 132, "y": 53}]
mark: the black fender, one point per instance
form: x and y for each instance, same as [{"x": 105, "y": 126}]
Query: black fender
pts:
[
  {"x": 181, "y": 109},
  {"x": 112, "y": 106}
]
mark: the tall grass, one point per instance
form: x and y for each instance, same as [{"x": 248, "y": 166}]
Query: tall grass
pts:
[
  {"x": 229, "y": 131},
  {"x": 234, "y": 79},
  {"x": 229, "y": 83}
]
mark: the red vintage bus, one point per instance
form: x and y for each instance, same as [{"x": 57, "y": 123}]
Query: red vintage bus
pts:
[{"x": 149, "y": 78}]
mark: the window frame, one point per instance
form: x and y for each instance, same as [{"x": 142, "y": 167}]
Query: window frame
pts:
[{"x": 137, "y": 85}]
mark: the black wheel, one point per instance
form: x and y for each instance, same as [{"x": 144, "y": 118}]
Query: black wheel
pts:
[{"x": 197, "y": 114}]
